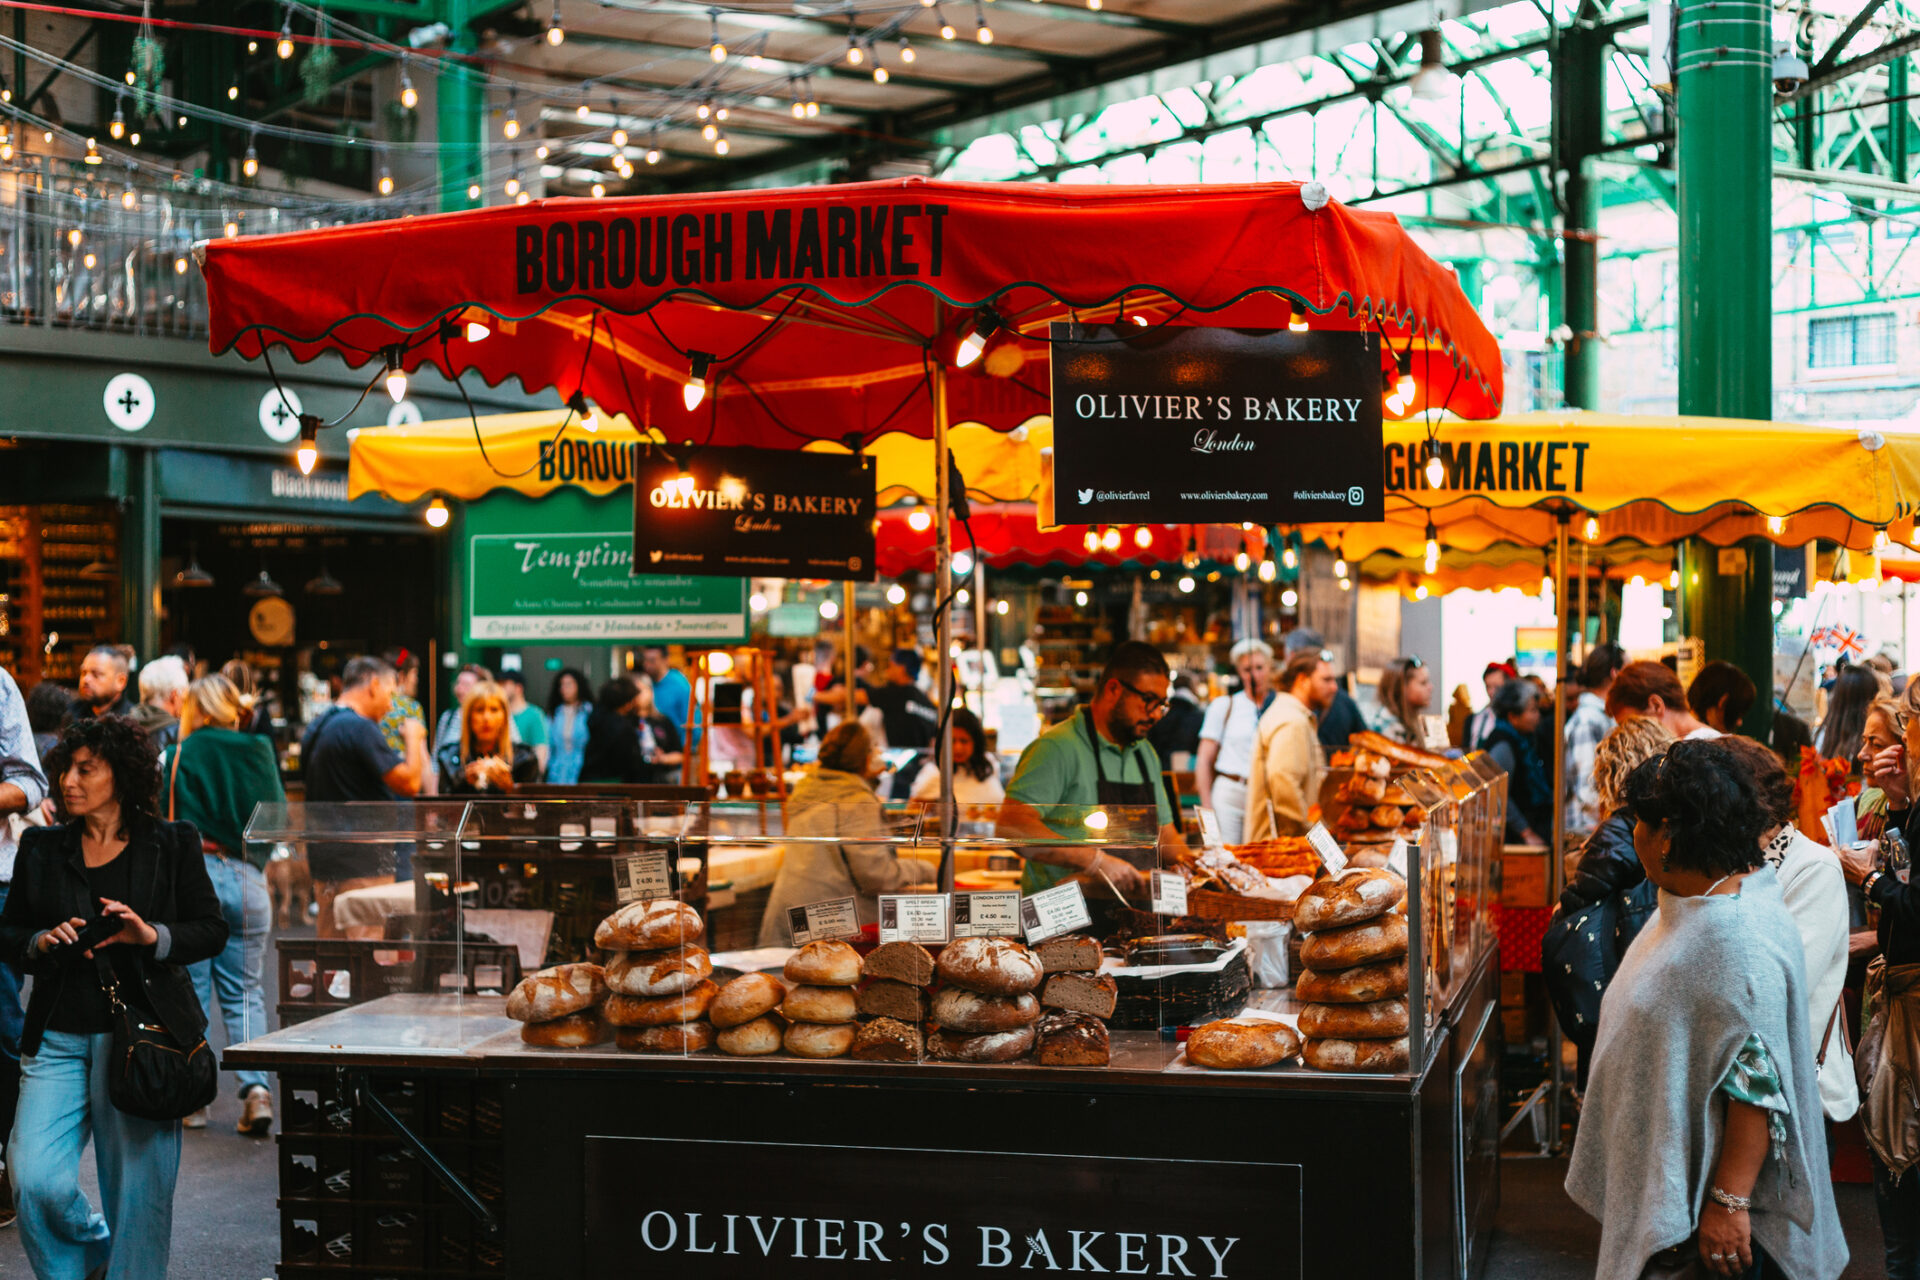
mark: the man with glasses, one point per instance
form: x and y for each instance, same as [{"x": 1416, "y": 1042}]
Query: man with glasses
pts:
[
  {"x": 1287, "y": 759},
  {"x": 1096, "y": 758}
]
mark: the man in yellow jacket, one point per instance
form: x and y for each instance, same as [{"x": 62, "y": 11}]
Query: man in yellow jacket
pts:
[{"x": 1287, "y": 757}]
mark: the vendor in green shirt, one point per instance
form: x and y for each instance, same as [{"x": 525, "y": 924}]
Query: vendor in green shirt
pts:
[{"x": 1097, "y": 758}]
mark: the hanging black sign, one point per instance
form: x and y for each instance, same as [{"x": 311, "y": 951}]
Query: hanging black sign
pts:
[
  {"x": 812, "y": 1210},
  {"x": 1214, "y": 426},
  {"x": 763, "y": 513}
]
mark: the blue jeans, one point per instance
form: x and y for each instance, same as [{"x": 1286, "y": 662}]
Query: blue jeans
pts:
[
  {"x": 12, "y": 1020},
  {"x": 63, "y": 1100},
  {"x": 1899, "y": 1205},
  {"x": 235, "y": 972}
]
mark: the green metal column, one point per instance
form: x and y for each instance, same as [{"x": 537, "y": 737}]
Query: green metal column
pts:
[
  {"x": 461, "y": 114},
  {"x": 140, "y": 547},
  {"x": 1724, "y": 85},
  {"x": 1579, "y": 110}
]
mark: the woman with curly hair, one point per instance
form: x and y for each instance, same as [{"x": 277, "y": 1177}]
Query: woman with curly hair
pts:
[
  {"x": 1702, "y": 1135},
  {"x": 111, "y": 856}
]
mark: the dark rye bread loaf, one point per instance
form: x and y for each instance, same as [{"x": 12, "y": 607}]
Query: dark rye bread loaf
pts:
[
  {"x": 1090, "y": 993},
  {"x": 887, "y": 1040},
  {"x": 907, "y": 962},
  {"x": 885, "y": 998},
  {"x": 1069, "y": 953},
  {"x": 1072, "y": 1040}
]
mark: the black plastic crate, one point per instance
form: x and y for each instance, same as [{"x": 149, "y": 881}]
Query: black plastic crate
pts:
[
  {"x": 316, "y": 1234},
  {"x": 314, "y": 1104},
  {"x": 405, "y": 1097},
  {"x": 451, "y": 1114},
  {"x": 391, "y": 1236},
  {"x": 388, "y": 1173},
  {"x": 313, "y": 1167}
]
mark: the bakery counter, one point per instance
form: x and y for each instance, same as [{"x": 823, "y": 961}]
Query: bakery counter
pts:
[{"x": 713, "y": 1168}]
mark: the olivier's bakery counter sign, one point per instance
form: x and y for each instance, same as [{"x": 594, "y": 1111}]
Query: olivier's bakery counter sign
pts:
[
  {"x": 762, "y": 513},
  {"x": 1215, "y": 425}
]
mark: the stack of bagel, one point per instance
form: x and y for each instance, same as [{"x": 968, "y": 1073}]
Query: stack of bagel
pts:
[
  {"x": 820, "y": 1008},
  {"x": 1354, "y": 952},
  {"x": 560, "y": 1008},
  {"x": 985, "y": 1008},
  {"x": 658, "y": 977}
]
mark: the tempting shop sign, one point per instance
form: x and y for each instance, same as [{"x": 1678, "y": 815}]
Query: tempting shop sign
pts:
[
  {"x": 1215, "y": 425},
  {"x": 843, "y": 1211},
  {"x": 767, "y": 513}
]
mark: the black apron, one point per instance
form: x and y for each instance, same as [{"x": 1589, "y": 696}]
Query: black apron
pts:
[{"x": 1117, "y": 793}]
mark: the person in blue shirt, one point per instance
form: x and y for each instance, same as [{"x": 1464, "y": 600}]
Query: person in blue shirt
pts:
[{"x": 672, "y": 691}]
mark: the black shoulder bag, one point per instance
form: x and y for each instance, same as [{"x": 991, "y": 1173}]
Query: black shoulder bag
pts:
[{"x": 152, "y": 1075}]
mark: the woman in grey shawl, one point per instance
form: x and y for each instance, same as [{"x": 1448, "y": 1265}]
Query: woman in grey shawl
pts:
[{"x": 1702, "y": 1132}]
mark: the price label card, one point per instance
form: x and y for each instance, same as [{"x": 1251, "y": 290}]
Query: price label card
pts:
[
  {"x": 834, "y": 918},
  {"x": 604, "y": 826},
  {"x": 916, "y": 917},
  {"x": 986, "y": 915},
  {"x": 1210, "y": 830},
  {"x": 571, "y": 829},
  {"x": 1328, "y": 848},
  {"x": 1061, "y": 909},
  {"x": 1433, "y": 733},
  {"x": 1169, "y": 893},
  {"x": 1397, "y": 857},
  {"x": 643, "y": 875}
]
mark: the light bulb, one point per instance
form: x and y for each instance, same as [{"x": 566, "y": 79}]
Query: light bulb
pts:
[
  {"x": 1110, "y": 540},
  {"x": 1289, "y": 598},
  {"x": 1288, "y": 556},
  {"x": 757, "y": 602},
  {"x": 896, "y": 594},
  {"x": 396, "y": 376},
  {"x": 684, "y": 484},
  {"x": 813, "y": 108},
  {"x": 1080, "y": 598},
  {"x": 880, "y": 73},
  {"x": 118, "y": 129},
  {"x": 718, "y": 52},
  {"x": 473, "y": 191},
  {"x": 1406, "y": 386},
  {"x": 179, "y": 266},
  {"x": 962, "y": 563},
  {"x": 511, "y": 129},
  {"x": 1395, "y": 405},
  {"x": 1776, "y": 525},
  {"x": 1142, "y": 537},
  {"x": 696, "y": 388},
  {"x": 1591, "y": 529},
  {"x": 907, "y": 54},
  {"x": 984, "y": 323},
  {"x": 134, "y": 138},
  {"x": 799, "y": 109},
  {"x": 963, "y": 597},
  {"x": 829, "y": 610},
  {"x": 556, "y": 30},
  {"x": 233, "y": 230},
  {"x": 386, "y": 181},
  {"x": 919, "y": 520},
  {"x": 1637, "y": 581},
  {"x": 577, "y": 402},
  {"x": 710, "y": 131},
  {"x": 1268, "y": 570},
  {"x": 409, "y": 96},
  {"x": 1000, "y": 607},
  {"x": 1673, "y": 580},
  {"x": 1546, "y": 584},
  {"x": 1339, "y": 566},
  {"x": 309, "y": 451},
  {"x": 283, "y": 48},
  {"x": 946, "y": 31},
  {"x": 653, "y": 155},
  {"x": 128, "y": 199},
  {"x": 855, "y": 54},
  {"x": 1091, "y": 541},
  {"x": 93, "y": 152},
  {"x": 985, "y": 33},
  {"x": 1186, "y": 584},
  {"x": 1241, "y": 560},
  {"x": 251, "y": 165},
  {"x": 513, "y": 185},
  {"x": 233, "y": 92},
  {"x": 1880, "y": 538},
  {"x": 437, "y": 513},
  {"x": 477, "y": 331},
  {"x": 542, "y": 151},
  {"x": 88, "y": 262},
  {"x": 1420, "y": 592},
  {"x": 1346, "y": 584},
  {"x": 721, "y": 147},
  {"x": 1436, "y": 471},
  {"x": 599, "y": 189},
  {"x": 619, "y": 138}
]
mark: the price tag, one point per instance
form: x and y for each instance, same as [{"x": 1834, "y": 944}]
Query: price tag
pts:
[
  {"x": 1397, "y": 857},
  {"x": 1210, "y": 830},
  {"x": 608, "y": 826},
  {"x": 834, "y": 918},
  {"x": 986, "y": 915},
  {"x": 916, "y": 917},
  {"x": 1169, "y": 893},
  {"x": 1433, "y": 733},
  {"x": 1328, "y": 848},
  {"x": 643, "y": 875},
  {"x": 1061, "y": 909},
  {"x": 571, "y": 829}
]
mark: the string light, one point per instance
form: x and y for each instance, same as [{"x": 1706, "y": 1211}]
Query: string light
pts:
[
  {"x": 309, "y": 451},
  {"x": 513, "y": 183},
  {"x": 283, "y": 49},
  {"x": 1433, "y": 548},
  {"x": 1190, "y": 558},
  {"x": 232, "y": 230},
  {"x": 510, "y": 129},
  {"x": 653, "y": 155},
  {"x": 477, "y": 331},
  {"x": 715, "y": 49},
  {"x": 721, "y": 146},
  {"x": 1436, "y": 471},
  {"x": 619, "y": 137},
  {"x": 386, "y": 180},
  {"x": 710, "y": 131},
  {"x": 1288, "y": 557},
  {"x": 396, "y": 376},
  {"x": 946, "y": 28},
  {"x": 1339, "y": 563},
  {"x": 93, "y": 152},
  {"x": 409, "y": 96},
  {"x": 1673, "y": 580},
  {"x": 556, "y": 30},
  {"x": 88, "y": 262},
  {"x": 1110, "y": 540},
  {"x": 1591, "y": 530},
  {"x": 1241, "y": 560},
  {"x": 829, "y": 610},
  {"x": 233, "y": 92},
  {"x": 982, "y": 32},
  {"x": 118, "y": 129},
  {"x": 251, "y": 165},
  {"x": 855, "y": 54},
  {"x": 907, "y": 55},
  {"x": 1000, "y": 607},
  {"x": 919, "y": 520},
  {"x": 542, "y": 151},
  {"x": 589, "y": 420},
  {"x": 1092, "y": 540},
  {"x": 73, "y": 237},
  {"x": 1776, "y": 525},
  {"x": 880, "y": 74},
  {"x": 1142, "y": 537},
  {"x": 1186, "y": 584},
  {"x": 437, "y": 513},
  {"x": 1268, "y": 570},
  {"x": 1880, "y": 538},
  {"x": 1296, "y": 318},
  {"x": 599, "y": 189},
  {"x": 703, "y": 111},
  {"x": 473, "y": 191},
  {"x": 179, "y": 266},
  {"x": 583, "y": 110},
  {"x": 696, "y": 388},
  {"x": 985, "y": 322}
]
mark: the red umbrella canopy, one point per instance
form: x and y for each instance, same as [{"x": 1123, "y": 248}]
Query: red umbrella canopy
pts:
[
  {"x": 1010, "y": 533},
  {"x": 818, "y": 312}
]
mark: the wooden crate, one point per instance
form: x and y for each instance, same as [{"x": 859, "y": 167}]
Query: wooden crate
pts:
[{"x": 1524, "y": 878}]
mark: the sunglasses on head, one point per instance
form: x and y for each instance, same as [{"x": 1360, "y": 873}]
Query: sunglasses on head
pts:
[{"x": 1411, "y": 662}]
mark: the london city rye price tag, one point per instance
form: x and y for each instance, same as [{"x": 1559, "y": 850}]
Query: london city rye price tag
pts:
[
  {"x": 1328, "y": 848},
  {"x": 642, "y": 876},
  {"x": 1061, "y": 909},
  {"x": 986, "y": 915},
  {"x": 1169, "y": 893},
  {"x": 916, "y": 917},
  {"x": 814, "y": 921}
]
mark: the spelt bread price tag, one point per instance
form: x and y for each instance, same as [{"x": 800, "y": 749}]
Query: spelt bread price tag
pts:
[
  {"x": 643, "y": 875},
  {"x": 986, "y": 915},
  {"x": 1061, "y": 909},
  {"x": 814, "y": 921},
  {"x": 1328, "y": 848},
  {"x": 916, "y": 917},
  {"x": 1169, "y": 893}
]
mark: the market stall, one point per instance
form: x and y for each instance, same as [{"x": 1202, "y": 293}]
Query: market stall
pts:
[{"x": 447, "y": 1129}]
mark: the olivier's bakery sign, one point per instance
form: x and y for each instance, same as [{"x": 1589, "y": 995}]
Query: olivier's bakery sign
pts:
[
  {"x": 1215, "y": 425},
  {"x": 762, "y": 513}
]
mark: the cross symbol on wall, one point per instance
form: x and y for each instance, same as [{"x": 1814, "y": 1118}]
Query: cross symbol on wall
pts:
[
  {"x": 128, "y": 401},
  {"x": 280, "y": 411}
]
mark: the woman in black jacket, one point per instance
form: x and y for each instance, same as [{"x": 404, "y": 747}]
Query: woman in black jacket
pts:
[{"x": 112, "y": 860}]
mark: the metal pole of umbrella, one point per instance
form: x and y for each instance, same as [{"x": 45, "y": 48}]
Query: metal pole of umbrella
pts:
[
  {"x": 942, "y": 584},
  {"x": 848, "y": 646},
  {"x": 1583, "y": 600},
  {"x": 1556, "y": 872},
  {"x": 980, "y": 635}
]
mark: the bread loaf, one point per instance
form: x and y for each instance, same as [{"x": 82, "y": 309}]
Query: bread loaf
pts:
[
  {"x": 575, "y": 1031},
  {"x": 1362, "y": 984},
  {"x": 1384, "y": 938},
  {"x": 1071, "y": 1040},
  {"x": 1241, "y": 1044},
  {"x": 887, "y": 1040},
  {"x": 680, "y": 1037},
  {"x": 907, "y": 962},
  {"x": 556, "y": 992},
  {"x": 995, "y": 1046},
  {"x": 885, "y": 998},
  {"x": 746, "y": 998},
  {"x": 823, "y": 1005},
  {"x": 815, "y": 1040},
  {"x": 1092, "y": 993},
  {"x": 827, "y": 963},
  {"x": 1376, "y": 1020},
  {"x": 991, "y": 966},
  {"x": 658, "y": 973},
  {"x": 1356, "y": 1055},
  {"x": 1360, "y": 895},
  {"x": 650, "y": 926},
  {"x": 1069, "y": 953},
  {"x": 751, "y": 1039},
  {"x": 956, "y": 1009},
  {"x": 659, "y": 1011}
]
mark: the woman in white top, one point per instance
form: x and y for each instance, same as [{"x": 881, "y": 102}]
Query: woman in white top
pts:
[
  {"x": 1227, "y": 738},
  {"x": 976, "y": 775}
]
